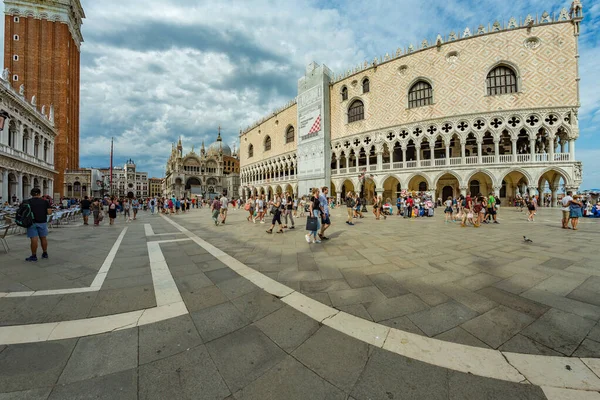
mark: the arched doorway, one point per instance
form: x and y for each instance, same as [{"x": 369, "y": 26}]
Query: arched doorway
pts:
[
  {"x": 447, "y": 191},
  {"x": 418, "y": 183},
  {"x": 391, "y": 189},
  {"x": 447, "y": 185},
  {"x": 77, "y": 189},
  {"x": 194, "y": 186},
  {"x": 550, "y": 184},
  {"x": 26, "y": 188},
  {"x": 480, "y": 183},
  {"x": 347, "y": 186},
  {"x": 12, "y": 188},
  {"x": 368, "y": 190},
  {"x": 515, "y": 184}
]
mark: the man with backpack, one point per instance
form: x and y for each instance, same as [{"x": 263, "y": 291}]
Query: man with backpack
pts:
[{"x": 33, "y": 215}]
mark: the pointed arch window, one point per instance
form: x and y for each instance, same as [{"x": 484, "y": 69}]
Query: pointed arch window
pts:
[
  {"x": 365, "y": 85},
  {"x": 250, "y": 151},
  {"x": 420, "y": 94},
  {"x": 268, "y": 143},
  {"x": 501, "y": 80},
  {"x": 289, "y": 135},
  {"x": 356, "y": 111},
  {"x": 344, "y": 93}
]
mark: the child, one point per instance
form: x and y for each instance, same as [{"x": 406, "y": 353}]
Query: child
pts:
[{"x": 448, "y": 210}]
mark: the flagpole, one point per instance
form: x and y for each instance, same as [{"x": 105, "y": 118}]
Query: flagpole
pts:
[{"x": 111, "y": 166}]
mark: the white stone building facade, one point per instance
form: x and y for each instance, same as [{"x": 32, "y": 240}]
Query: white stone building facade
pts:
[
  {"x": 26, "y": 146},
  {"x": 491, "y": 109}
]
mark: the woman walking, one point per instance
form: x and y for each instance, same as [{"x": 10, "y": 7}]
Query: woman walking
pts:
[
  {"x": 126, "y": 210},
  {"x": 575, "y": 211},
  {"x": 250, "y": 208},
  {"x": 97, "y": 211},
  {"x": 531, "y": 209},
  {"x": 448, "y": 209},
  {"x": 112, "y": 210},
  {"x": 289, "y": 210},
  {"x": 277, "y": 208},
  {"x": 315, "y": 211}
]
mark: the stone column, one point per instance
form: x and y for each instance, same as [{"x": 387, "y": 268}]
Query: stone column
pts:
[
  {"x": 404, "y": 156},
  {"x": 497, "y": 190},
  {"x": 392, "y": 157},
  {"x": 4, "y": 192},
  {"x": 479, "y": 156},
  {"x": 367, "y": 160},
  {"x": 447, "y": 145},
  {"x": 348, "y": 163},
  {"x": 532, "y": 149},
  {"x": 379, "y": 192},
  {"x": 572, "y": 150},
  {"x": 497, "y": 150},
  {"x": 432, "y": 155},
  {"x": 553, "y": 190},
  {"x": 337, "y": 164},
  {"x": 463, "y": 153},
  {"x": 551, "y": 150},
  {"x": 379, "y": 160},
  {"x": 463, "y": 190},
  {"x": 20, "y": 186},
  {"x": 418, "y": 151},
  {"x": 514, "y": 150},
  {"x": 51, "y": 188}
]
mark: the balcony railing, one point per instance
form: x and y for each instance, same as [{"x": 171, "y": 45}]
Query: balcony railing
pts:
[
  {"x": 411, "y": 164},
  {"x": 471, "y": 160},
  {"x": 398, "y": 165},
  {"x": 24, "y": 156},
  {"x": 425, "y": 163},
  {"x": 523, "y": 157},
  {"x": 562, "y": 157},
  {"x": 506, "y": 158},
  {"x": 386, "y": 166},
  {"x": 488, "y": 159},
  {"x": 440, "y": 161},
  {"x": 373, "y": 167},
  {"x": 455, "y": 160}
]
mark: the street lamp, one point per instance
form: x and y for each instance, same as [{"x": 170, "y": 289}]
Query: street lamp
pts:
[{"x": 3, "y": 117}]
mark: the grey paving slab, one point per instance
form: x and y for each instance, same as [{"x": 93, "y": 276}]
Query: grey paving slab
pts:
[
  {"x": 357, "y": 310},
  {"x": 221, "y": 275},
  {"x": 465, "y": 386},
  {"x": 166, "y": 338},
  {"x": 389, "y": 286},
  {"x": 324, "y": 285},
  {"x": 478, "y": 281},
  {"x": 26, "y": 310},
  {"x": 594, "y": 333},
  {"x": 356, "y": 278},
  {"x": 428, "y": 294},
  {"x": 395, "y": 307},
  {"x": 441, "y": 318},
  {"x": 244, "y": 355},
  {"x": 388, "y": 376},
  {"x": 287, "y": 327},
  {"x": 102, "y": 355},
  {"x": 128, "y": 282},
  {"x": 519, "y": 283},
  {"x": 188, "y": 375},
  {"x": 588, "y": 291},
  {"x": 19, "y": 372},
  {"x": 216, "y": 321},
  {"x": 565, "y": 304},
  {"x": 355, "y": 296},
  {"x": 256, "y": 305},
  {"x": 558, "y": 263},
  {"x": 498, "y": 325},
  {"x": 192, "y": 282},
  {"x": 33, "y": 394},
  {"x": 518, "y": 303},
  {"x": 236, "y": 287},
  {"x": 473, "y": 300},
  {"x": 72, "y": 306},
  {"x": 461, "y": 336},
  {"x": 559, "y": 330},
  {"x": 116, "y": 301},
  {"x": 402, "y": 323},
  {"x": 290, "y": 380},
  {"x": 205, "y": 297},
  {"x": 327, "y": 349},
  {"x": 120, "y": 385},
  {"x": 322, "y": 297},
  {"x": 525, "y": 345},
  {"x": 588, "y": 348}
]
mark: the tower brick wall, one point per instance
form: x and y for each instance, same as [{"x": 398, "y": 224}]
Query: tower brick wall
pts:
[{"x": 48, "y": 65}]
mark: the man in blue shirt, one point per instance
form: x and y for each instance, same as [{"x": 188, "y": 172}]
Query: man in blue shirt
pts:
[{"x": 325, "y": 217}]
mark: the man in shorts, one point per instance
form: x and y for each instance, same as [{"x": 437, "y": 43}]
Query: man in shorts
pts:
[
  {"x": 491, "y": 207},
  {"x": 565, "y": 202},
  {"x": 85, "y": 209},
  {"x": 325, "y": 217},
  {"x": 41, "y": 209},
  {"x": 224, "y": 201}
]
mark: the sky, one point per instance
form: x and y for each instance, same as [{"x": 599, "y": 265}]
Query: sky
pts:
[{"x": 156, "y": 70}]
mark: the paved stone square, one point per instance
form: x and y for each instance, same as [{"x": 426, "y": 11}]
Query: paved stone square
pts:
[{"x": 235, "y": 340}]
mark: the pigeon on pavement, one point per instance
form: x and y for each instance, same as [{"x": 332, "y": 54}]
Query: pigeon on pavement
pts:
[{"x": 527, "y": 240}]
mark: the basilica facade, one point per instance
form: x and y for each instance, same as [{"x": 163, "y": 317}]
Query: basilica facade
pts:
[
  {"x": 492, "y": 108},
  {"x": 209, "y": 173}
]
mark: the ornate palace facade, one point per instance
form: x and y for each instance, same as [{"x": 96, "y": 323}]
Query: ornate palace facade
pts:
[
  {"x": 26, "y": 146},
  {"x": 489, "y": 109},
  {"x": 209, "y": 173}
]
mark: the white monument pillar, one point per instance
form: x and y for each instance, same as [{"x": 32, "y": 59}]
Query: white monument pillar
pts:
[{"x": 314, "y": 141}]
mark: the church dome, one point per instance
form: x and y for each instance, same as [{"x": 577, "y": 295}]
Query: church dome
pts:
[
  {"x": 214, "y": 148},
  {"x": 218, "y": 146}
]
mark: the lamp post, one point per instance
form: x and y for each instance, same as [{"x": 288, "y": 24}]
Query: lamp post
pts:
[{"x": 3, "y": 117}]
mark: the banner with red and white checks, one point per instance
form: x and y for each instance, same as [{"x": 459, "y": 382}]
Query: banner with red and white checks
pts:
[{"x": 316, "y": 126}]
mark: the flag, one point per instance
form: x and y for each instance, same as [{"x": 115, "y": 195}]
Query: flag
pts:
[{"x": 316, "y": 126}]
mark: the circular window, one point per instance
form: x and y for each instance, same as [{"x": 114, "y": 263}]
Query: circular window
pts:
[{"x": 130, "y": 185}]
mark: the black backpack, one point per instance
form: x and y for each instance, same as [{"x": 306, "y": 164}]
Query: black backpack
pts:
[{"x": 24, "y": 217}]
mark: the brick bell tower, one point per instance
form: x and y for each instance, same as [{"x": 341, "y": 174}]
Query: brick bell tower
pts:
[{"x": 42, "y": 40}]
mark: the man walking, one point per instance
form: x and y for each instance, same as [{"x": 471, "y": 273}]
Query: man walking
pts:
[
  {"x": 566, "y": 209},
  {"x": 350, "y": 204},
  {"x": 85, "y": 209},
  {"x": 40, "y": 209},
  {"x": 491, "y": 208},
  {"x": 325, "y": 217},
  {"x": 224, "y": 202}
]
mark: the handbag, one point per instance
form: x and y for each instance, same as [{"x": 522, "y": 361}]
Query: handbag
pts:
[
  {"x": 100, "y": 216},
  {"x": 312, "y": 224},
  {"x": 247, "y": 207}
]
